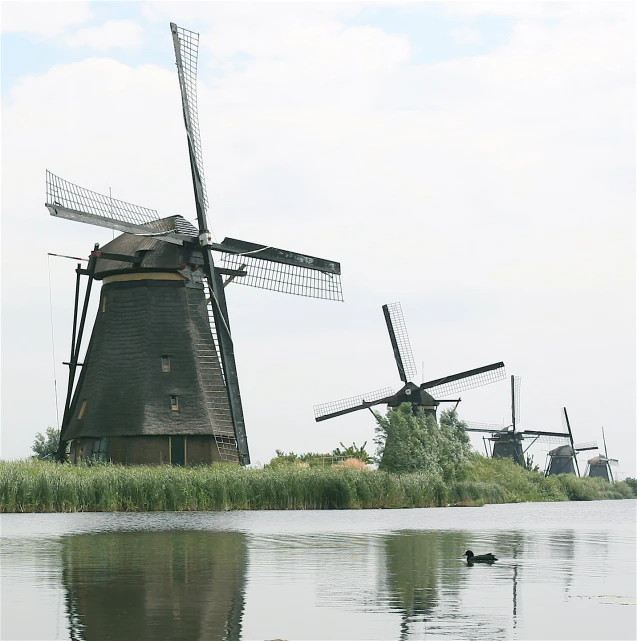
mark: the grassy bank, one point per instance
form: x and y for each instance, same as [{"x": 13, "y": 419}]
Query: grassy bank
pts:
[{"x": 35, "y": 486}]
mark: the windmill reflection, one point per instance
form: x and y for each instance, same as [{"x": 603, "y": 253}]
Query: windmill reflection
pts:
[{"x": 155, "y": 585}]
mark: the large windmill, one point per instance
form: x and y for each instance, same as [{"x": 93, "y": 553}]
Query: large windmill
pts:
[
  {"x": 508, "y": 441},
  {"x": 159, "y": 380},
  {"x": 427, "y": 395},
  {"x": 601, "y": 466},
  {"x": 563, "y": 458}
]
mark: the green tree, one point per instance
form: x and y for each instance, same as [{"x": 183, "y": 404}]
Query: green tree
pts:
[
  {"x": 45, "y": 445},
  {"x": 409, "y": 440}
]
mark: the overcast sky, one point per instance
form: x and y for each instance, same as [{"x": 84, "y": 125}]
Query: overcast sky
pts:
[{"x": 475, "y": 162}]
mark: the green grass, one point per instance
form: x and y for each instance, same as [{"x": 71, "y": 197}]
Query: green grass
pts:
[{"x": 36, "y": 486}]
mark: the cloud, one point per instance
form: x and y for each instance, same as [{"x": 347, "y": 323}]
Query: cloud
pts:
[
  {"x": 47, "y": 19},
  {"x": 465, "y": 35},
  {"x": 493, "y": 195},
  {"x": 112, "y": 34}
]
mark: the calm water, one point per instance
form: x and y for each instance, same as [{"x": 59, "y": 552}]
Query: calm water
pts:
[{"x": 565, "y": 571}]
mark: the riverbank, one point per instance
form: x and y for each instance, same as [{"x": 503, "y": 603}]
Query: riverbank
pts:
[{"x": 36, "y": 486}]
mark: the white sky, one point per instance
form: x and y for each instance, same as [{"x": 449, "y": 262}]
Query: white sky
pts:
[{"x": 475, "y": 162}]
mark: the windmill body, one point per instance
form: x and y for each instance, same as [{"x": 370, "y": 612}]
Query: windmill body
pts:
[
  {"x": 602, "y": 466},
  {"x": 563, "y": 459},
  {"x": 159, "y": 380},
  {"x": 426, "y": 396},
  {"x": 507, "y": 444}
]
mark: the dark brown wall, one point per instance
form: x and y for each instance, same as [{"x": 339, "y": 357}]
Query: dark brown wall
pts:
[
  {"x": 201, "y": 449},
  {"x": 148, "y": 450}
]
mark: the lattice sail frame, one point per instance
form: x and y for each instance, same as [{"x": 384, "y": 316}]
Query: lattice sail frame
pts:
[
  {"x": 288, "y": 279},
  {"x": 398, "y": 333},
  {"x": 482, "y": 376},
  {"x": 186, "y": 52},
  {"x": 517, "y": 390},
  {"x": 588, "y": 445},
  {"x": 484, "y": 427},
  {"x": 352, "y": 402},
  {"x": 553, "y": 439},
  {"x": 67, "y": 200}
]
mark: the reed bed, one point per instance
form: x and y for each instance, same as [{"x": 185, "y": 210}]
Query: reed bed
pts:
[{"x": 37, "y": 486}]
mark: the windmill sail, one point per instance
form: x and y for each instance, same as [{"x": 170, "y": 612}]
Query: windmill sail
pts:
[
  {"x": 186, "y": 44},
  {"x": 352, "y": 404},
  {"x": 470, "y": 379},
  {"x": 516, "y": 384},
  {"x": 281, "y": 270},
  {"x": 542, "y": 436},
  {"x": 66, "y": 200},
  {"x": 484, "y": 427},
  {"x": 583, "y": 447},
  {"x": 400, "y": 342}
]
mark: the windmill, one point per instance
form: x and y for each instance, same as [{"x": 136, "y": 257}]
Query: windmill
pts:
[
  {"x": 563, "y": 459},
  {"x": 507, "y": 442},
  {"x": 427, "y": 395},
  {"x": 602, "y": 466},
  {"x": 159, "y": 379}
]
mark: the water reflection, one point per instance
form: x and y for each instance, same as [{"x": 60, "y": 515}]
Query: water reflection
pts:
[
  {"x": 426, "y": 581},
  {"x": 155, "y": 585},
  {"x": 343, "y": 575}
]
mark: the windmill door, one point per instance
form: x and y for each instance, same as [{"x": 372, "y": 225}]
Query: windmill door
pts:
[{"x": 178, "y": 450}]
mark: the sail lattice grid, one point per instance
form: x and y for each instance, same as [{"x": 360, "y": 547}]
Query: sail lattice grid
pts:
[
  {"x": 484, "y": 427},
  {"x": 62, "y": 193},
  {"x": 187, "y": 51},
  {"x": 517, "y": 388},
  {"x": 588, "y": 445},
  {"x": 281, "y": 277},
  {"x": 402, "y": 340},
  {"x": 548, "y": 438},
  {"x": 460, "y": 382},
  {"x": 351, "y": 402}
]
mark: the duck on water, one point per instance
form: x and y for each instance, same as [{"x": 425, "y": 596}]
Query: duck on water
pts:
[{"x": 479, "y": 558}]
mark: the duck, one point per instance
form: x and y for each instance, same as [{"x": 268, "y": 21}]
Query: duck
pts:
[{"x": 479, "y": 558}]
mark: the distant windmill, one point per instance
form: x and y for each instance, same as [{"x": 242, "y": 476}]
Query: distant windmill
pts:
[
  {"x": 507, "y": 442},
  {"x": 427, "y": 395},
  {"x": 602, "y": 466},
  {"x": 563, "y": 459},
  {"x": 159, "y": 382}
]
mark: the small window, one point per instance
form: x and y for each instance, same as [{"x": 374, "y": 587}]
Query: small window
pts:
[
  {"x": 103, "y": 303},
  {"x": 80, "y": 414},
  {"x": 165, "y": 363},
  {"x": 174, "y": 402},
  {"x": 100, "y": 449}
]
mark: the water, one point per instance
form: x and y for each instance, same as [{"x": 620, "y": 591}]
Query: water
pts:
[{"x": 565, "y": 571}]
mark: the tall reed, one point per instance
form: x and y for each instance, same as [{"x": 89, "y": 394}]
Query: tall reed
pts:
[{"x": 37, "y": 486}]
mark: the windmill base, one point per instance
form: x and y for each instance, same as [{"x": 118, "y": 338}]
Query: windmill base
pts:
[{"x": 147, "y": 450}]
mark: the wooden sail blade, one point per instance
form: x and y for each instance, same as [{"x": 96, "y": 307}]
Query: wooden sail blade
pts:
[
  {"x": 399, "y": 338},
  {"x": 352, "y": 404},
  {"x": 281, "y": 270},
  {"x": 447, "y": 385}
]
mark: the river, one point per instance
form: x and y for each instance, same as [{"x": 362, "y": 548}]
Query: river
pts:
[{"x": 565, "y": 571}]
